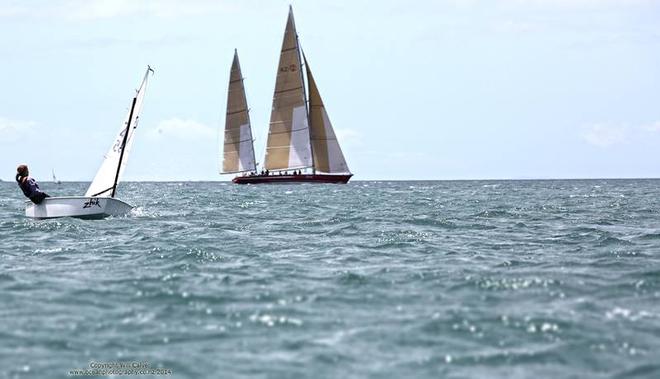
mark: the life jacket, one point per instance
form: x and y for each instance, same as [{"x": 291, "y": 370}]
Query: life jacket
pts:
[{"x": 29, "y": 186}]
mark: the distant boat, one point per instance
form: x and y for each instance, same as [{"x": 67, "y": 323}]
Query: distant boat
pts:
[
  {"x": 55, "y": 178},
  {"x": 99, "y": 200},
  {"x": 300, "y": 137}
]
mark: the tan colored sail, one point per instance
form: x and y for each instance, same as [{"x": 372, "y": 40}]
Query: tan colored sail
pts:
[
  {"x": 238, "y": 147},
  {"x": 328, "y": 156},
  {"x": 288, "y": 145}
]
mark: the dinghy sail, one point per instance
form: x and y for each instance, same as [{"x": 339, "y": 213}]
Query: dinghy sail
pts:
[
  {"x": 99, "y": 200},
  {"x": 238, "y": 147},
  {"x": 300, "y": 136},
  {"x": 55, "y": 180},
  {"x": 108, "y": 176}
]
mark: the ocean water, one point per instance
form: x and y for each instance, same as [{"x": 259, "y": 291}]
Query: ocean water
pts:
[{"x": 457, "y": 279}]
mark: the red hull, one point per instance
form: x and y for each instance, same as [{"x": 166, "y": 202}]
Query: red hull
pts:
[{"x": 282, "y": 179}]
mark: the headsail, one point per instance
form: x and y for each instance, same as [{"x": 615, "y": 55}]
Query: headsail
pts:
[
  {"x": 328, "y": 156},
  {"x": 238, "y": 146},
  {"x": 288, "y": 145},
  {"x": 108, "y": 175}
]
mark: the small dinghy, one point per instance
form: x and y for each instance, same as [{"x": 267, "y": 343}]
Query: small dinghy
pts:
[
  {"x": 77, "y": 206},
  {"x": 55, "y": 180},
  {"x": 99, "y": 200}
]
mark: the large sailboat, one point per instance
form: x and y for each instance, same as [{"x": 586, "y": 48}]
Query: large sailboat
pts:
[
  {"x": 99, "y": 201},
  {"x": 302, "y": 146}
]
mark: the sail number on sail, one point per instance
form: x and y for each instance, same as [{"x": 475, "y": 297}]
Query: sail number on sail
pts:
[
  {"x": 291, "y": 68},
  {"x": 117, "y": 147}
]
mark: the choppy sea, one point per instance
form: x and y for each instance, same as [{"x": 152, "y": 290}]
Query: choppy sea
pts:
[{"x": 455, "y": 279}]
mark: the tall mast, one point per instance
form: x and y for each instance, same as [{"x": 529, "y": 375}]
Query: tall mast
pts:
[
  {"x": 123, "y": 145},
  {"x": 247, "y": 111},
  {"x": 302, "y": 77},
  {"x": 288, "y": 145}
]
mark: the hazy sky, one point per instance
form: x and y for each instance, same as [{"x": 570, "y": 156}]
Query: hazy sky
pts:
[{"x": 461, "y": 89}]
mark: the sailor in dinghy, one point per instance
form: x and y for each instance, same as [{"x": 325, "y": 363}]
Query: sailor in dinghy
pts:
[
  {"x": 99, "y": 200},
  {"x": 29, "y": 186}
]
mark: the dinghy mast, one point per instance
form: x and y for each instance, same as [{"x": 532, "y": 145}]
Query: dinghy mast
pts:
[{"x": 123, "y": 145}]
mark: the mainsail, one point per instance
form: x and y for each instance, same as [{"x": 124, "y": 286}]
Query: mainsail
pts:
[
  {"x": 107, "y": 177},
  {"x": 288, "y": 145},
  {"x": 238, "y": 147},
  {"x": 328, "y": 156}
]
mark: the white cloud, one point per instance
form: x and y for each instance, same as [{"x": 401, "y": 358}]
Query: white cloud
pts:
[
  {"x": 12, "y": 10},
  {"x": 104, "y": 9},
  {"x": 100, "y": 9},
  {"x": 553, "y": 3},
  {"x": 577, "y": 3},
  {"x": 654, "y": 127},
  {"x": 11, "y": 130},
  {"x": 517, "y": 26},
  {"x": 346, "y": 136},
  {"x": 176, "y": 128},
  {"x": 604, "y": 135}
]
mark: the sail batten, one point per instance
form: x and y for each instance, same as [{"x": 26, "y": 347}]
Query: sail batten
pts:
[
  {"x": 238, "y": 152},
  {"x": 115, "y": 159},
  {"x": 233, "y": 113},
  {"x": 241, "y": 141},
  {"x": 289, "y": 90}
]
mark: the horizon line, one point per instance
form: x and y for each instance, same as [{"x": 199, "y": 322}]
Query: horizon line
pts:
[{"x": 363, "y": 180}]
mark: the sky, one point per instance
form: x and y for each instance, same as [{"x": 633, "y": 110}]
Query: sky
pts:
[{"x": 454, "y": 89}]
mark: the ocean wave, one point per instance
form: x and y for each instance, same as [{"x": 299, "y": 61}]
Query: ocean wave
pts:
[{"x": 399, "y": 279}]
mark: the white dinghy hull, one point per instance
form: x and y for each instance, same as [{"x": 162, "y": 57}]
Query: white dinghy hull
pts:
[{"x": 78, "y": 207}]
